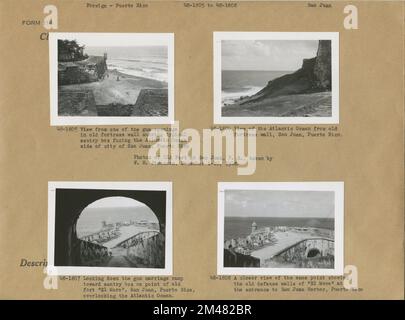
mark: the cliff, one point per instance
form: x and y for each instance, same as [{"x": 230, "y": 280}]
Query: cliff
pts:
[{"x": 313, "y": 76}]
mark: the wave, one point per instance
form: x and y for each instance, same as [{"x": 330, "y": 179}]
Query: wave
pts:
[
  {"x": 138, "y": 68},
  {"x": 229, "y": 97},
  {"x": 161, "y": 61}
]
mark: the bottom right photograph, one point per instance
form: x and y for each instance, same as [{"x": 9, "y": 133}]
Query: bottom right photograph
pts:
[{"x": 280, "y": 228}]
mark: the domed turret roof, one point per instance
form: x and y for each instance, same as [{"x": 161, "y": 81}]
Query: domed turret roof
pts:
[{"x": 254, "y": 224}]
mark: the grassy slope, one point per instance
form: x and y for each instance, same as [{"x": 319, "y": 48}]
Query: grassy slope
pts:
[{"x": 296, "y": 105}]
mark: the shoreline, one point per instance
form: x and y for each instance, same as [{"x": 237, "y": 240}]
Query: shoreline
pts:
[
  {"x": 229, "y": 98},
  {"x": 130, "y": 76}
]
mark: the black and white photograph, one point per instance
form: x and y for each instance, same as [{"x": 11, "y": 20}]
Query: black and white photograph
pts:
[
  {"x": 276, "y": 77},
  {"x": 280, "y": 228},
  {"x": 109, "y": 228},
  {"x": 111, "y": 78}
]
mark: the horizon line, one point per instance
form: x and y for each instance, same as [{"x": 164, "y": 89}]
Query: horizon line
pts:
[
  {"x": 257, "y": 70},
  {"x": 277, "y": 217}
]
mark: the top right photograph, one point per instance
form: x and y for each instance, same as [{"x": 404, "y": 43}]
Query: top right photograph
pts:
[{"x": 276, "y": 77}]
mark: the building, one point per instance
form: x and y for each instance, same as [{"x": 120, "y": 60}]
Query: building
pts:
[
  {"x": 254, "y": 226},
  {"x": 256, "y": 239}
]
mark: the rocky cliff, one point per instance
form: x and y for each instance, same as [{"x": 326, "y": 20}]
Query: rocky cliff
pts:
[{"x": 313, "y": 76}]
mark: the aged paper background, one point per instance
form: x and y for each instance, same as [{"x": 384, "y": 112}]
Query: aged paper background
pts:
[{"x": 368, "y": 157}]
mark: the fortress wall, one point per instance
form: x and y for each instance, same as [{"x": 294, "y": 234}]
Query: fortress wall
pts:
[
  {"x": 89, "y": 70},
  {"x": 73, "y": 103},
  {"x": 299, "y": 254},
  {"x": 151, "y": 102},
  {"x": 150, "y": 252},
  {"x": 75, "y": 75},
  {"x": 116, "y": 110},
  {"x": 233, "y": 259},
  {"x": 90, "y": 254}
]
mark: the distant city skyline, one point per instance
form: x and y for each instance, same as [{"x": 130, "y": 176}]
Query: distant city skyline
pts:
[
  {"x": 266, "y": 55},
  {"x": 279, "y": 204}
]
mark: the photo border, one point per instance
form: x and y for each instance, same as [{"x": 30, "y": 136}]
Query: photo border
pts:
[
  {"x": 217, "y": 75},
  {"x": 336, "y": 186},
  {"x": 153, "y": 38},
  {"x": 85, "y": 270}
]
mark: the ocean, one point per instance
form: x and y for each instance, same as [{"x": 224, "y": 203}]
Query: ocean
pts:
[
  {"x": 237, "y": 83},
  {"x": 148, "y": 62},
  {"x": 241, "y": 227},
  {"x": 90, "y": 220}
]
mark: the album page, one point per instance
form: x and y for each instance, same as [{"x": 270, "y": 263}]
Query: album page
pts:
[{"x": 164, "y": 150}]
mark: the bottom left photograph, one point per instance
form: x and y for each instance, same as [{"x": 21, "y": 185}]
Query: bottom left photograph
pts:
[{"x": 109, "y": 228}]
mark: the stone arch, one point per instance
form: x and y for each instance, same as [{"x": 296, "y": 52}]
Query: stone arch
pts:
[{"x": 71, "y": 202}]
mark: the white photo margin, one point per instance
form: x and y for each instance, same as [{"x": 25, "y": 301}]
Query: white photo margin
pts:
[
  {"x": 75, "y": 270},
  {"x": 336, "y": 186},
  {"x": 218, "y": 37},
  {"x": 126, "y": 39}
]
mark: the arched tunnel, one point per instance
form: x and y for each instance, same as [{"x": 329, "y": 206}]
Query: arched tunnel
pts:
[
  {"x": 313, "y": 253},
  {"x": 69, "y": 204}
]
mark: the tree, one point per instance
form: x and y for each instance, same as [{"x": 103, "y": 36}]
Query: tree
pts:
[{"x": 70, "y": 50}]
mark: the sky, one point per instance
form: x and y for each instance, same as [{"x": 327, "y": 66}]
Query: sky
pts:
[
  {"x": 116, "y": 202},
  {"x": 279, "y": 204},
  {"x": 266, "y": 55},
  {"x": 112, "y": 210},
  {"x": 129, "y": 52}
]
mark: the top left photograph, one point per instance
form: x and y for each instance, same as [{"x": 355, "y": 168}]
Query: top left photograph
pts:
[{"x": 111, "y": 78}]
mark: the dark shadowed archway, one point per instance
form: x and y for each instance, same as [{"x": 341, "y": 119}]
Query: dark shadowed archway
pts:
[
  {"x": 71, "y": 202},
  {"x": 312, "y": 253}
]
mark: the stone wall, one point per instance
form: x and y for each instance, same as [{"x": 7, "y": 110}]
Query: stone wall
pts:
[
  {"x": 323, "y": 65},
  {"x": 234, "y": 259},
  {"x": 151, "y": 103},
  {"x": 90, "y": 254},
  {"x": 148, "y": 253},
  {"x": 75, "y": 75},
  {"x": 76, "y": 103},
  {"x": 115, "y": 110},
  {"x": 309, "y": 253},
  {"x": 92, "y": 69}
]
